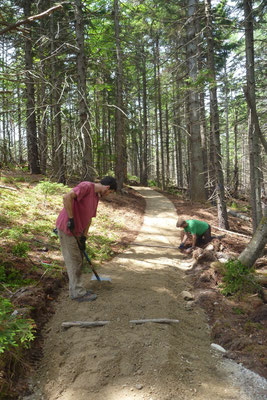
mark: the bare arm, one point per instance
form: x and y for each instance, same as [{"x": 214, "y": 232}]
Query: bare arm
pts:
[
  {"x": 68, "y": 201},
  {"x": 194, "y": 240},
  {"x": 185, "y": 237}
]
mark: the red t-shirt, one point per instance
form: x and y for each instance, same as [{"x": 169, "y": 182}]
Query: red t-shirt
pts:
[{"x": 84, "y": 208}]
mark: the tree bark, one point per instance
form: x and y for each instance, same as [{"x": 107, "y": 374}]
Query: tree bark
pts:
[
  {"x": 145, "y": 121},
  {"x": 253, "y": 131},
  {"x": 33, "y": 156},
  {"x": 156, "y": 113},
  {"x": 160, "y": 115},
  {"x": 120, "y": 138},
  {"x": 257, "y": 243},
  {"x": 58, "y": 160},
  {"x": 197, "y": 179},
  {"x": 88, "y": 172},
  {"x": 236, "y": 170},
  {"x": 221, "y": 206}
]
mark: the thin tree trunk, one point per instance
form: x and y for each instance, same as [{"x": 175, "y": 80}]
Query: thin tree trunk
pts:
[
  {"x": 139, "y": 145},
  {"x": 221, "y": 205},
  {"x": 87, "y": 157},
  {"x": 43, "y": 108},
  {"x": 236, "y": 173},
  {"x": 19, "y": 125},
  {"x": 145, "y": 149},
  {"x": 58, "y": 162},
  {"x": 104, "y": 132},
  {"x": 253, "y": 127},
  {"x": 33, "y": 156},
  {"x": 160, "y": 116},
  {"x": 120, "y": 138},
  {"x": 97, "y": 125},
  {"x": 156, "y": 115},
  {"x": 197, "y": 180},
  {"x": 257, "y": 243}
]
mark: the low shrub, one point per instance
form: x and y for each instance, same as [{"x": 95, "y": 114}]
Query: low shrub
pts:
[
  {"x": 238, "y": 279},
  {"x": 15, "y": 331},
  {"x": 20, "y": 249}
]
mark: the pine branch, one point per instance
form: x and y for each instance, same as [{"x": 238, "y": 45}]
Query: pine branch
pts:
[{"x": 31, "y": 19}]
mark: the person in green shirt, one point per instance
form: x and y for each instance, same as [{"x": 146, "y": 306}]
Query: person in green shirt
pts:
[{"x": 200, "y": 232}]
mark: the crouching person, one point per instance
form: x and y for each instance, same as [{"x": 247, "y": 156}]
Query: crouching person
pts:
[{"x": 195, "y": 232}]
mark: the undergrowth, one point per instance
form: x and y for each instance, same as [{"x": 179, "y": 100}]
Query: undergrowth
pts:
[
  {"x": 238, "y": 279},
  {"x": 27, "y": 217}
]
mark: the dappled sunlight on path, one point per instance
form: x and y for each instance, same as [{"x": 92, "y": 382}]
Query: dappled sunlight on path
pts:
[{"x": 126, "y": 361}]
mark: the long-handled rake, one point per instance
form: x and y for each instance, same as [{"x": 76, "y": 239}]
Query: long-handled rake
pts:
[{"x": 102, "y": 278}]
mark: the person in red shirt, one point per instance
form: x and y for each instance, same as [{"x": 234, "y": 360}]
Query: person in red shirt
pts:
[{"x": 74, "y": 220}]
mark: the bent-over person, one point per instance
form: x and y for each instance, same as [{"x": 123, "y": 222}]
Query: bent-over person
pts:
[
  {"x": 199, "y": 231},
  {"x": 73, "y": 222}
]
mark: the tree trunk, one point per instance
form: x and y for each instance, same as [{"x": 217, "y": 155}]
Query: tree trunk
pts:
[
  {"x": 139, "y": 149},
  {"x": 160, "y": 116},
  {"x": 177, "y": 134},
  {"x": 19, "y": 125},
  {"x": 253, "y": 133},
  {"x": 221, "y": 206},
  {"x": 236, "y": 171},
  {"x": 97, "y": 126},
  {"x": 43, "y": 106},
  {"x": 87, "y": 158},
  {"x": 145, "y": 147},
  {"x": 33, "y": 156},
  {"x": 167, "y": 142},
  {"x": 104, "y": 132},
  {"x": 197, "y": 179},
  {"x": 226, "y": 107},
  {"x": 156, "y": 114},
  {"x": 58, "y": 163},
  {"x": 257, "y": 243},
  {"x": 120, "y": 138}
]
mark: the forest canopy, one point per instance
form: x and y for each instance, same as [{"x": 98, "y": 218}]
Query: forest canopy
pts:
[{"x": 167, "y": 93}]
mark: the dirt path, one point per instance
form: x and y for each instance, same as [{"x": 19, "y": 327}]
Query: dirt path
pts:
[{"x": 124, "y": 361}]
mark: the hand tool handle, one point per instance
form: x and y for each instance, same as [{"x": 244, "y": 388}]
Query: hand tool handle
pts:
[
  {"x": 87, "y": 258},
  {"x": 92, "y": 268}
]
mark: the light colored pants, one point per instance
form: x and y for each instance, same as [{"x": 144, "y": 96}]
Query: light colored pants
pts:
[{"x": 74, "y": 261}]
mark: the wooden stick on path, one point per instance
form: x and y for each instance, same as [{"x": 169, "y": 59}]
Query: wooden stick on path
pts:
[
  {"x": 91, "y": 324},
  {"x": 7, "y": 187},
  {"x": 84, "y": 324},
  {"x": 156, "y": 320}
]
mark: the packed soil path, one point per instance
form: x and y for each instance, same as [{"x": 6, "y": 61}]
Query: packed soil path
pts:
[{"x": 126, "y": 361}]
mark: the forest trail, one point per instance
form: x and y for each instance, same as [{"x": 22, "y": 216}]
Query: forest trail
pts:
[{"x": 124, "y": 361}]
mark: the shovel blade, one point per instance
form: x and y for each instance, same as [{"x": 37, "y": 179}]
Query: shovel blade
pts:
[{"x": 102, "y": 278}]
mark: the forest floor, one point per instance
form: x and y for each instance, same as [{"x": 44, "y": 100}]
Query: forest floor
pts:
[{"x": 122, "y": 360}]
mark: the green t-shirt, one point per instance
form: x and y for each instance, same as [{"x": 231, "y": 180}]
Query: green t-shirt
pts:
[{"x": 196, "y": 227}]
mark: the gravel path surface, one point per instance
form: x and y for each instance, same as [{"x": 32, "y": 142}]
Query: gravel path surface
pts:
[{"x": 151, "y": 361}]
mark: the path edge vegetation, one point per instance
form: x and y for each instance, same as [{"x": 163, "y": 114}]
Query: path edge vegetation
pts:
[{"x": 18, "y": 332}]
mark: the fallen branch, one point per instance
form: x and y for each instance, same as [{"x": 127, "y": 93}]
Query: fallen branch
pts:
[
  {"x": 238, "y": 215},
  {"x": 7, "y": 187},
  {"x": 231, "y": 232},
  {"x": 32, "y": 18},
  {"x": 84, "y": 324},
  {"x": 156, "y": 320},
  {"x": 92, "y": 324}
]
